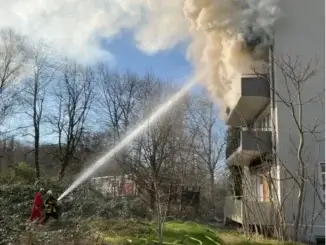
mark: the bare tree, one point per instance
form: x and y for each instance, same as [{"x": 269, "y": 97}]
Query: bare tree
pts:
[
  {"x": 7, "y": 157},
  {"x": 156, "y": 149},
  {"x": 74, "y": 95},
  {"x": 118, "y": 99},
  {"x": 12, "y": 58},
  {"x": 209, "y": 138},
  {"x": 296, "y": 76},
  {"x": 34, "y": 94},
  {"x": 156, "y": 153}
]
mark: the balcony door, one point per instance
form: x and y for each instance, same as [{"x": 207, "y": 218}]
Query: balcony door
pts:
[{"x": 262, "y": 188}]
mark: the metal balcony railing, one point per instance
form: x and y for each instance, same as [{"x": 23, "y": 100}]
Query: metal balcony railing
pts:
[
  {"x": 233, "y": 141},
  {"x": 251, "y": 142},
  {"x": 249, "y": 211}
]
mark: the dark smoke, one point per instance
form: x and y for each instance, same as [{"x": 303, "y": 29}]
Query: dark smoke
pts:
[{"x": 256, "y": 38}]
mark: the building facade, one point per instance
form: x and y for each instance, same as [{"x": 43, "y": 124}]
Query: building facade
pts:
[
  {"x": 114, "y": 186},
  {"x": 276, "y": 135}
]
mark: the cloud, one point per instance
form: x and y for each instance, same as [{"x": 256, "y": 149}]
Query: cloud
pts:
[{"x": 75, "y": 27}]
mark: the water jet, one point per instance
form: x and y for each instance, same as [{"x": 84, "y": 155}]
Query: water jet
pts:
[{"x": 129, "y": 138}]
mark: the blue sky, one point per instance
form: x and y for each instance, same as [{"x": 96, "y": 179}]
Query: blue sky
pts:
[{"x": 168, "y": 64}]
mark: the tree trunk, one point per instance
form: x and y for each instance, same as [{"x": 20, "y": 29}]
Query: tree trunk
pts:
[
  {"x": 168, "y": 209},
  {"x": 152, "y": 197},
  {"x": 212, "y": 190},
  {"x": 302, "y": 170},
  {"x": 63, "y": 167},
  {"x": 299, "y": 207},
  {"x": 37, "y": 156},
  {"x": 122, "y": 186},
  {"x": 212, "y": 185}
]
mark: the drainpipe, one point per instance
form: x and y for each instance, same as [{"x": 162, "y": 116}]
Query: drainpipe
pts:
[{"x": 274, "y": 119}]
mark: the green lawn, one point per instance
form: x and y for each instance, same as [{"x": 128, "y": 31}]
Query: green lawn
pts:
[{"x": 134, "y": 232}]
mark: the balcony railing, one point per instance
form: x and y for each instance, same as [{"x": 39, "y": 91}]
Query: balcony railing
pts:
[
  {"x": 246, "y": 145},
  {"x": 233, "y": 209},
  {"x": 249, "y": 211},
  {"x": 233, "y": 140},
  {"x": 254, "y": 96}
]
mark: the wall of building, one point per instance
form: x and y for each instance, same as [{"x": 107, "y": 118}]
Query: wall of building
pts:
[
  {"x": 114, "y": 186},
  {"x": 301, "y": 31}
]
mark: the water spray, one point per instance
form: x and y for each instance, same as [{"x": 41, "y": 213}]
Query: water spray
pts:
[{"x": 129, "y": 138}]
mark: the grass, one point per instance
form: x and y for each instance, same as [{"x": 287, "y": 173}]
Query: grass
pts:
[{"x": 176, "y": 233}]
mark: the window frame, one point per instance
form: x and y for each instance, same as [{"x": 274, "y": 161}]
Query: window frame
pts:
[
  {"x": 322, "y": 191},
  {"x": 264, "y": 120},
  {"x": 261, "y": 176}
]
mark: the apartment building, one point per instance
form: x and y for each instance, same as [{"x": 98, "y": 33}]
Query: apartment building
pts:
[{"x": 263, "y": 136}]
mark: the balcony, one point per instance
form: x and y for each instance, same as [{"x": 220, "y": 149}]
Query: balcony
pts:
[
  {"x": 248, "y": 212},
  {"x": 245, "y": 146},
  {"x": 233, "y": 209},
  {"x": 254, "y": 96}
]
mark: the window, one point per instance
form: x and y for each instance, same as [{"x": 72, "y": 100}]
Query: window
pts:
[
  {"x": 268, "y": 121},
  {"x": 264, "y": 122},
  {"x": 322, "y": 178},
  {"x": 262, "y": 188}
]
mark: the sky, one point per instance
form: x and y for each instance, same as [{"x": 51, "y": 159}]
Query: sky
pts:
[{"x": 168, "y": 64}]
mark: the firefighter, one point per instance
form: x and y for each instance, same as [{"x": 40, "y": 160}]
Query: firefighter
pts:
[
  {"x": 51, "y": 207},
  {"x": 37, "y": 208}
]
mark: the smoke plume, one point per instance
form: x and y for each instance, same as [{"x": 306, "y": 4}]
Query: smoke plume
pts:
[
  {"x": 229, "y": 38},
  {"x": 226, "y": 37}
]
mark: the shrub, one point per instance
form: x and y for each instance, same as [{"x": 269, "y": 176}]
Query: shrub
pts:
[
  {"x": 15, "y": 206},
  {"x": 24, "y": 172}
]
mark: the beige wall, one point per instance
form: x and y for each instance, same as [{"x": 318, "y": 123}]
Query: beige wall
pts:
[{"x": 301, "y": 31}]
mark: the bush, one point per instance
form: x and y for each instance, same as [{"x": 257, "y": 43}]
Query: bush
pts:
[
  {"x": 16, "y": 202},
  {"x": 7, "y": 177},
  {"x": 24, "y": 172},
  {"x": 114, "y": 208},
  {"x": 88, "y": 208},
  {"x": 15, "y": 206}
]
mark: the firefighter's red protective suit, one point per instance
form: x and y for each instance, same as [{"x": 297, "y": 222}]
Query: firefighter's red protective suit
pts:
[{"x": 37, "y": 207}]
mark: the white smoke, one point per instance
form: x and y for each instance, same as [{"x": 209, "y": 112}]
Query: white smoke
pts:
[{"x": 215, "y": 29}]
